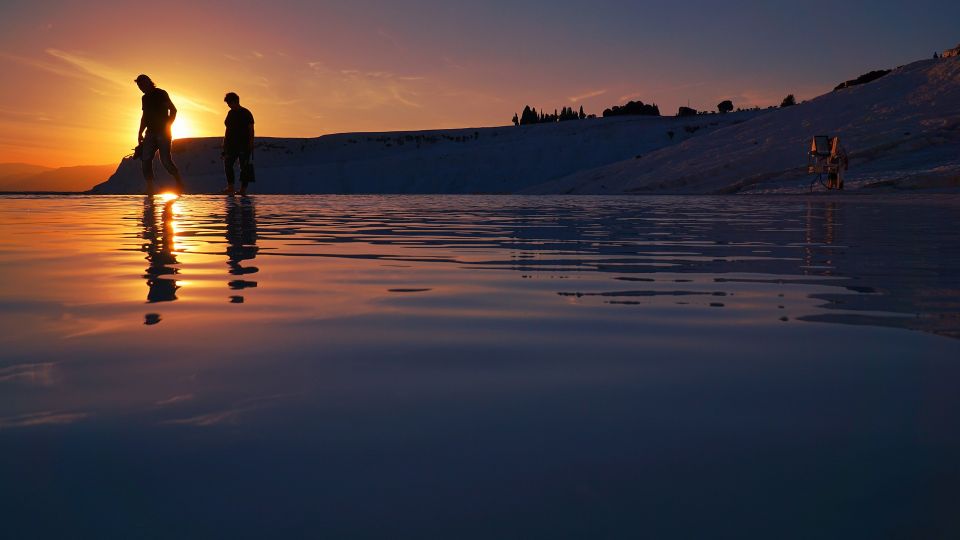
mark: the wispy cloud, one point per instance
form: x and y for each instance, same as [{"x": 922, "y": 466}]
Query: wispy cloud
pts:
[
  {"x": 451, "y": 63},
  {"x": 230, "y": 415},
  {"x": 367, "y": 89},
  {"x": 23, "y": 116},
  {"x": 395, "y": 92},
  {"x": 174, "y": 400},
  {"x": 376, "y": 74},
  {"x": 40, "y": 374},
  {"x": 92, "y": 67},
  {"x": 44, "y": 418},
  {"x": 252, "y": 55},
  {"x": 56, "y": 69},
  {"x": 587, "y": 95},
  {"x": 120, "y": 78},
  {"x": 194, "y": 104},
  {"x": 633, "y": 96},
  {"x": 209, "y": 419},
  {"x": 284, "y": 102}
]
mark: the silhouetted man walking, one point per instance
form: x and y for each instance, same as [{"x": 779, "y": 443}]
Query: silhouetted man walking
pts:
[
  {"x": 157, "y": 119},
  {"x": 237, "y": 143}
]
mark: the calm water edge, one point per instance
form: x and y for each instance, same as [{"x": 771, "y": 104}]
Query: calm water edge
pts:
[{"x": 479, "y": 367}]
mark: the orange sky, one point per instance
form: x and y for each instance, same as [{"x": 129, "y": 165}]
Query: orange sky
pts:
[{"x": 310, "y": 68}]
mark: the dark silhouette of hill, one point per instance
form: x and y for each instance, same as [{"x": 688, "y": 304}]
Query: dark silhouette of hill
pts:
[{"x": 863, "y": 79}]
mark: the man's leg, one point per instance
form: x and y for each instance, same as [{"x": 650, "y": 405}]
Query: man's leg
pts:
[
  {"x": 147, "y": 167},
  {"x": 167, "y": 160},
  {"x": 228, "y": 160},
  {"x": 149, "y": 148},
  {"x": 244, "y": 172}
]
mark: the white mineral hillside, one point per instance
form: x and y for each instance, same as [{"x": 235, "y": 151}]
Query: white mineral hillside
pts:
[
  {"x": 482, "y": 160},
  {"x": 901, "y": 131}
]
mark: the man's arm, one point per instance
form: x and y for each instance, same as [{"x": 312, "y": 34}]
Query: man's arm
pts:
[
  {"x": 172, "y": 109},
  {"x": 250, "y": 139},
  {"x": 143, "y": 125}
]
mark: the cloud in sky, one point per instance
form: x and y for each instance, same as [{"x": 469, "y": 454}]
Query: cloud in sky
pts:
[
  {"x": 587, "y": 95},
  {"x": 122, "y": 78},
  {"x": 39, "y": 374},
  {"x": 209, "y": 419},
  {"x": 230, "y": 415},
  {"x": 92, "y": 67},
  {"x": 23, "y": 116},
  {"x": 56, "y": 69},
  {"x": 44, "y": 418},
  {"x": 174, "y": 400}
]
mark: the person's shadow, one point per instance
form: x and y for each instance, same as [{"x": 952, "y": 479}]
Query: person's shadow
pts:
[
  {"x": 241, "y": 243},
  {"x": 158, "y": 245}
]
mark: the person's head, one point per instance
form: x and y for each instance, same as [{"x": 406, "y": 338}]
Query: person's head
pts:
[
  {"x": 144, "y": 83},
  {"x": 232, "y": 100}
]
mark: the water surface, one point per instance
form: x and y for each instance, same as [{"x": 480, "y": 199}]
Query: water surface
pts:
[{"x": 479, "y": 367}]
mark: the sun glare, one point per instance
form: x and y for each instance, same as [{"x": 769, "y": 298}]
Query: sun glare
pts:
[
  {"x": 183, "y": 127},
  {"x": 167, "y": 197}
]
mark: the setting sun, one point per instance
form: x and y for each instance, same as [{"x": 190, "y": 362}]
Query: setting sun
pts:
[{"x": 183, "y": 128}]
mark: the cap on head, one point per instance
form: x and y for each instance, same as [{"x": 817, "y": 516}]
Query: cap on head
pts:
[
  {"x": 141, "y": 78},
  {"x": 231, "y": 97}
]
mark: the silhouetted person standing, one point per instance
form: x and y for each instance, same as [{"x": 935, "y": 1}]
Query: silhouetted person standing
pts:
[
  {"x": 237, "y": 143},
  {"x": 157, "y": 119}
]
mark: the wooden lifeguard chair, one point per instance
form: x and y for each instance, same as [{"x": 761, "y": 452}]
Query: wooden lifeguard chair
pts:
[{"x": 827, "y": 157}]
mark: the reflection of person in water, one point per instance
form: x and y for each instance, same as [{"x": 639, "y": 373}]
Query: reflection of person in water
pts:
[
  {"x": 159, "y": 250},
  {"x": 241, "y": 243}
]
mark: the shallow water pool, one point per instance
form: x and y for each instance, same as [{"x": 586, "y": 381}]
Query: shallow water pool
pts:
[{"x": 479, "y": 367}]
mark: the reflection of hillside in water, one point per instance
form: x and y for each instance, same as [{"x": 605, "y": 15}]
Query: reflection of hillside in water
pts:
[
  {"x": 902, "y": 262},
  {"x": 852, "y": 260}
]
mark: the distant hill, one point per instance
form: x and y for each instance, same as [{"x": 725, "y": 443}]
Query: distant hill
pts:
[
  {"x": 25, "y": 177},
  {"x": 15, "y": 172},
  {"x": 901, "y": 131},
  {"x": 472, "y": 160}
]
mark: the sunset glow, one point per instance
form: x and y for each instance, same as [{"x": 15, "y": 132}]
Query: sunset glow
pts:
[
  {"x": 304, "y": 70},
  {"x": 184, "y": 128}
]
